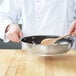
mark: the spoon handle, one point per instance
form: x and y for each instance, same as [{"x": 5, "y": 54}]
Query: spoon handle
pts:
[{"x": 61, "y": 37}]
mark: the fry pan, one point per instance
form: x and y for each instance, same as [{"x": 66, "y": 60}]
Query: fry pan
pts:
[{"x": 31, "y": 45}]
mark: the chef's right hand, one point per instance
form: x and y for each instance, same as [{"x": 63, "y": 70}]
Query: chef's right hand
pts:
[{"x": 13, "y": 33}]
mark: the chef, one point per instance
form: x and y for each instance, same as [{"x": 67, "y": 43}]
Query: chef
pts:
[{"x": 39, "y": 17}]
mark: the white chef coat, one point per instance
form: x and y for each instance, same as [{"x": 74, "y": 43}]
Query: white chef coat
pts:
[{"x": 39, "y": 17}]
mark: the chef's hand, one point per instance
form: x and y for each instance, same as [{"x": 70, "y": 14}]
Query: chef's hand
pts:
[
  {"x": 72, "y": 30},
  {"x": 13, "y": 33}
]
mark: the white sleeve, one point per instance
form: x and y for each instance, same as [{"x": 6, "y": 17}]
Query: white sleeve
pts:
[
  {"x": 10, "y": 12},
  {"x": 75, "y": 9}
]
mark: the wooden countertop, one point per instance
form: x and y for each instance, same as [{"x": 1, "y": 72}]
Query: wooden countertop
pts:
[{"x": 19, "y": 63}]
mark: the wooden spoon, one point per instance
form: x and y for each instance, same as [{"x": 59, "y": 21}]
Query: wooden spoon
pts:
[{"x": 50, "y": 41}]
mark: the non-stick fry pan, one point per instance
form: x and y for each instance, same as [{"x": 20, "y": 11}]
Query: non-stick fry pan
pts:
[{"x": 31, "y": 45}]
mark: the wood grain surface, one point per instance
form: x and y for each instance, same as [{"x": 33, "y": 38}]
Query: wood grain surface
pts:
[{"x": 19, "y": 63}]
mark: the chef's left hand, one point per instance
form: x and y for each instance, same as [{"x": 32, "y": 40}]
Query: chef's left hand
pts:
[{"x": 72, "y": 30}]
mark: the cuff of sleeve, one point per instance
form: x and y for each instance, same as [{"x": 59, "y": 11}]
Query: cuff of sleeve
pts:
[
  {"x": 3, "y": 26},
  {"x": 5, "y": 39}
]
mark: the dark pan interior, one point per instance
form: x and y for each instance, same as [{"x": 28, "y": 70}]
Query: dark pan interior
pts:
[{"x": 38, "y": 39}]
